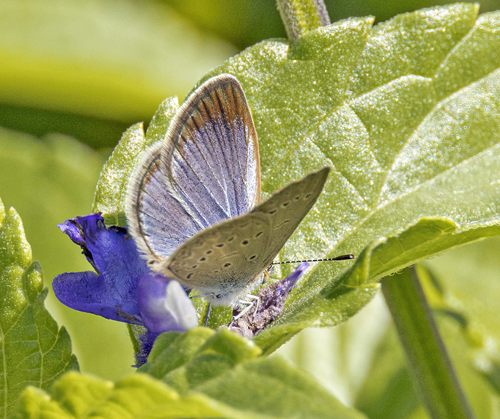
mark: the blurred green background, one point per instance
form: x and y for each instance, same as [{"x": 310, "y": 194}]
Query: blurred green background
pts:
[{"x": 74, "y": 75}]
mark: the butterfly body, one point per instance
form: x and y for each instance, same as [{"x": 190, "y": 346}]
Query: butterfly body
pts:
[{"x": 193, "y": 203}]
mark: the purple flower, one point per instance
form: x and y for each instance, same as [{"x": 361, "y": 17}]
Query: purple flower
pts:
[
  {"x": 122, "y": 287},
  {"x": 269, "y": 303}
]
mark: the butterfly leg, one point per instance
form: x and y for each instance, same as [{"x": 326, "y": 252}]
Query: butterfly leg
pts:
[
  {"x": 208, "y": 313},
  {"x": 250, "y": 301}
]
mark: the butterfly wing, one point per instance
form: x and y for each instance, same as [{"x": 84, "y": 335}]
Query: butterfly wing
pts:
[
  {"x": 289, "y": 206},
  {"x": 223, "y": 261},
  {"x": 156, "y": 220},
  {"x": 206, "y": 170},
  {"x": 211, "y": 155}
]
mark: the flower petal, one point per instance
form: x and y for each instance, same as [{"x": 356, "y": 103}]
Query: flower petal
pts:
[
  {"x": 111, "y": 292},
  {"x": 86, "y": 291},
  {"x": 164, "y": 305}
]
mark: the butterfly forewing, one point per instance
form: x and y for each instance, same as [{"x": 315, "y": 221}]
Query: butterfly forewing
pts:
[
  {"x": 206, "y": 170},
  {"x": 156, "y": 220},
  {"x": 210, "y": 156}
]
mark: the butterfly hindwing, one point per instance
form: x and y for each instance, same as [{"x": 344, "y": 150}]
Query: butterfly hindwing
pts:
[
  {"x": 287, "y": 207},
  {"x": 243, "y": 247},
  {"x": 225, "y": 259},
  {"x": 156, "y": 220}
]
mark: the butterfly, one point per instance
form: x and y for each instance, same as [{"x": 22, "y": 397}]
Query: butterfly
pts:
[{"x": 193, "y": 202}]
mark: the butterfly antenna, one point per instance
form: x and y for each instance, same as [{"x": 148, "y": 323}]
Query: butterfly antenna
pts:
[{"x": 343, "y": 257}]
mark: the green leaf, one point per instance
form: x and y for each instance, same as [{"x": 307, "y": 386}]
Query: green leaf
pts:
[
  {"x": 405, "y": 113},
  {"x": 49, "y": 180},
  {"x": 228, "y": 369},
  {"x": 111, "y": 60},
  {"x": 203, "y": 374},
  {"x": 34, "y": 350},
  {"x": 76, "y": 395}
]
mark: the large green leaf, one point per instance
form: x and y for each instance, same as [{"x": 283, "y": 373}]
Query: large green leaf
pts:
[
  {"x": 33, "y": 349},
  {"x": 407, "y": 115},
  {"x": 203, "y": 374},
  {"x": 49, "y": 180}
]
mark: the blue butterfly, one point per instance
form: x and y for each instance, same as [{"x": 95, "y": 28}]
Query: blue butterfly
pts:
[{"x": 193, "y": 203}]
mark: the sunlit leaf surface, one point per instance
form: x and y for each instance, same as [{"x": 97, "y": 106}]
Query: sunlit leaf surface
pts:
[
  {"x": 406, "y": 113},
  {"x": 33, "y": 349}
]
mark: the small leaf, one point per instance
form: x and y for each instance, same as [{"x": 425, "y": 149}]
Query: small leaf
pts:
[
  {"x": 34, "y": 350},
  {"x": 113, "y": 181},
  {"x": 228, "y": 369},
  {"x": 77, "y": 395},
  {"x": 203, "y": 374}
]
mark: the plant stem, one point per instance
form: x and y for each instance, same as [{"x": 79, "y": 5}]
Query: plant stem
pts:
[
  {"x": 427, "y": 357},
  {"x": 301, "y": 16}
]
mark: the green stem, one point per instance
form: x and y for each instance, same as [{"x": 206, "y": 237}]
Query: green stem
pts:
[
  {"x": 427, "y": 357},
  {"x": 301, "y": 16}
]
